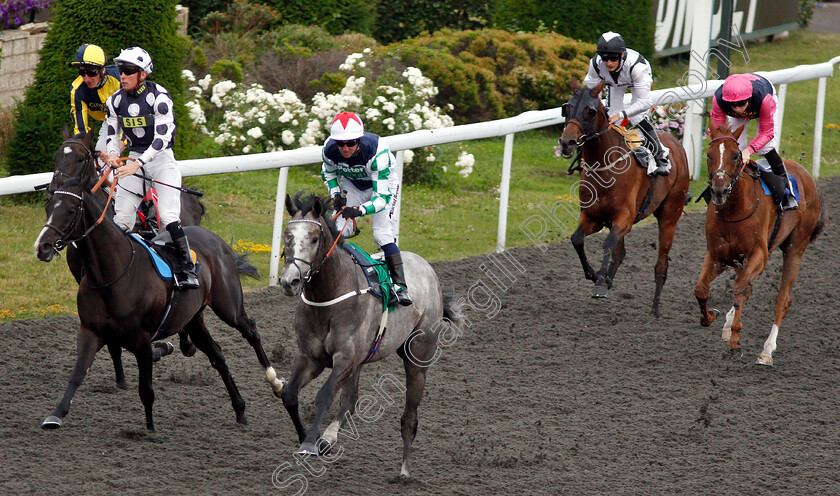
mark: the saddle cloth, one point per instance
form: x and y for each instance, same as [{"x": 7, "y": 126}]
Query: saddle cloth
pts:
[
  {"x": 764, "y": 167},
  {"x": 376, "y": 272},
  {"x": 164, "y": 256}
]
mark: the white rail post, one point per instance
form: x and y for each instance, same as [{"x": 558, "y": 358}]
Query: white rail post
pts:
[
  {"x": 818, "y": 128},
  {"x": 701, "y": 33},
  {"x": 277, "y": 235},
  {"x": 780, "y": 113},
  {"x": 504, "y": 192}
]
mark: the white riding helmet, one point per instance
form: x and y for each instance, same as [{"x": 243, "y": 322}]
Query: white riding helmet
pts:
[
  {"x": 346, "y": 126},
  {"x": 136, "y": 56}
]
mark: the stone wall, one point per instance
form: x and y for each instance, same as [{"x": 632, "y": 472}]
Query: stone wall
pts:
[
  {"x": 18, "y": 60},
  {"x": 20, "y": 56}
]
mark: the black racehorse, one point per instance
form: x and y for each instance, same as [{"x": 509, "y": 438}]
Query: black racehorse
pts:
[
  {"x": 75, "y": 158},
  {"x": 123, "y": 302}
]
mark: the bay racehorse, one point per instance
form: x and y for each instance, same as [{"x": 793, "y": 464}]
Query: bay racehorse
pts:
[
  {"x": 743, "y": 226},
  {"x": 123, "y": 302},
  {"x": 615, "y": 192},
  {"x": 75, "y": 158},
  {"x": 337, "y": 325}
]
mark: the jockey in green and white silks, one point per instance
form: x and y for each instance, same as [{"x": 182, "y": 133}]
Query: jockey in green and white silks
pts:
[{"x": 360, "y": 165}]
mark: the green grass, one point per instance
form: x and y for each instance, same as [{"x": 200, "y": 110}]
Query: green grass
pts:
[{"x": 456, "y": 219}]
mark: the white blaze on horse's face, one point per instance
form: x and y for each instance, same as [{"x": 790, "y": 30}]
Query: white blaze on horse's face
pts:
[
  {"x": 720, "y": 155},
  {"x": 67, "y": 150}
]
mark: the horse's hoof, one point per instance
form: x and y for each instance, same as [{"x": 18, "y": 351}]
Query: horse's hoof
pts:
[
  {"x": 161, "y": 349},
  {"x": 51, "y": 422},
  {"x": 122, "y": 385},
  {"x": 765, "y": 360},
  {"x": 736, "y": 353},
  {"x": 307, "y": 449},
  {"x": 600, "y": 291},
  {"x": 324, "y": 447},
  {"x": 714, "y": 312},
  {"x": 188, "y": 350}
]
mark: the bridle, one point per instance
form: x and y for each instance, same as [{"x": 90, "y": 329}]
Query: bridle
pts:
[
  {"x": 724, "y": 172},
  {"x": 588, "y": 128},
  {"x": 313, "y": 269},
  {"x": 87, "y": 159},
  {"x": 63, "y": 241},
  {"x": 733, "y": 179}
]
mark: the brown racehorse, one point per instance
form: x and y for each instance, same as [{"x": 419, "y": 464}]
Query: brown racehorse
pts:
[
  {"x": 742, "y": 230},
  {"x": 614, "y": 189}
]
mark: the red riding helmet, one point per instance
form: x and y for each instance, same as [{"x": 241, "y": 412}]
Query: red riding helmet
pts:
[{"x": 737, "y": 88}]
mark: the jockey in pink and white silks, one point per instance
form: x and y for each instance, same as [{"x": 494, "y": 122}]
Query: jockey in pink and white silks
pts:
[
  {"x": 360, "y": 164},
  {"x": 621, "y": 68},
  {"x": 750, "y": 96}
]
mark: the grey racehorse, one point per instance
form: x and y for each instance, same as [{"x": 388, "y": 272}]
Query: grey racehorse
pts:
[{"x": 337, "y": 327}]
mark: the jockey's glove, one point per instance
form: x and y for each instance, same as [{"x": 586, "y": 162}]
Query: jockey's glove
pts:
[{"x": 351, "y": 212}]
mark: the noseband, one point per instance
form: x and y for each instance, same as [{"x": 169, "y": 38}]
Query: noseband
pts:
[
  {"x": 63, "y": 239},
  {"x": 589, "y": 132},
  {"x": 294, "y": 260},
  {"x": 723, "y": 172}
]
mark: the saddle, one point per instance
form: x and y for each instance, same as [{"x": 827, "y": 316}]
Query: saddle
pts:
[
  {"x": 376, "y": 273},
  {"x": 163, "y": 254}
]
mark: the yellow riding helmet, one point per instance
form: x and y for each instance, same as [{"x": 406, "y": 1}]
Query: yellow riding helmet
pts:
[{"x": 89, "y": 55}]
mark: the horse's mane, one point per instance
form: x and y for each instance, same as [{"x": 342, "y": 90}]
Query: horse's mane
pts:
[{"x": 305, "y": 202}]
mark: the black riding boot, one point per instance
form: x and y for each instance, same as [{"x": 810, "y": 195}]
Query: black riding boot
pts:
[
  {"x": 185, "y": 277},
  {"x": 658, "y": 150},
  {"x": 787, "y": 201},
  {"x": 395, "y": 265}
]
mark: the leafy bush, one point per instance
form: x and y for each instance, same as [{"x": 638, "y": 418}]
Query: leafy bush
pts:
[
  {"x": 199, "y": 9},
  {"x": 418, "y": 16},
  {"x": 806, "y": 13},
  {"x": 336, "y": 16},
  {"x": 581, "y": 20},
  {"x": 491, "y": 74},
  {"x": 46, "y": 108}
]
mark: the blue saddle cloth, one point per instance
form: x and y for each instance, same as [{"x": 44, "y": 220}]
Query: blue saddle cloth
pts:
[
  {"x": 155, "y": 248},
  {"x": 162, "y": 268},
  {"x": 766, "y": 168}
]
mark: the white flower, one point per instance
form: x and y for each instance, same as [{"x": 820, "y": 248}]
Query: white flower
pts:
[
  {"x": 187, "y": 75},
  {"x": 246, "y": 149},
  {"x": 430, "y": 158},
  {"x": 408, "y": 156},
  {"x": 372, "y": 114},
  {"x": 204, "y": 82},
  {"x": 288, "y": 137},
  {"x": 255, "y": 132},
  {"x": 389, "y": 107},
  {"x": 465, "y": 162}
]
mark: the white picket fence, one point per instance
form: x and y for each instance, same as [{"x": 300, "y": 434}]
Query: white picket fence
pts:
[{"x": 503, "y": 127}]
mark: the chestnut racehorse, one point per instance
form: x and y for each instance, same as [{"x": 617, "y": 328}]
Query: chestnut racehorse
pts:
[
  {"x": 616, "y": 192},
  {"x": 742, "y": 230}
]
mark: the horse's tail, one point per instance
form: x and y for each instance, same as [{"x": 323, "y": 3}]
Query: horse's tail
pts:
[
  {"x": 246, "y": 268},
  {"x": 452, "y": 306},
  {"x": 822, "y": 220}
]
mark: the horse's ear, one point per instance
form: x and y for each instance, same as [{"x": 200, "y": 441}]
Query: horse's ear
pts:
[
  {"x": 317, "y": 208},
  {"x": 594, "y": 92},
  {"x": 573, "y": 84},
  {"x": 89, "y": 136},
  {"x": 290, "y": 206},
  {"x": 740, "y": 129},
  {"x": 65, "y": 133}
]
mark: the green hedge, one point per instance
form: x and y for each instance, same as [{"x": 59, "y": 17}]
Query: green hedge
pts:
[
  {"x": 491, "y": 74},
  {"x": 336, "y": 16},
  {"x": 113, "y": 25},
  {"x": 582, "y": 19},
  {"x": 413, "y": 17}
]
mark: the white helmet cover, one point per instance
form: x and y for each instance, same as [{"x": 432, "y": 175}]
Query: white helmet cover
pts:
[
  {"x": 136, "y": 56},
  {"x": 347, "y": 126}
]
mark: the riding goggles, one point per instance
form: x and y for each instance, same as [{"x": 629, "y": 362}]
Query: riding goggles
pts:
[
  {"x": 347, "y": 144},
  {"x": 128, "y": 70}
]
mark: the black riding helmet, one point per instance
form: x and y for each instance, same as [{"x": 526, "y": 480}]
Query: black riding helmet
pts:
[{"x": 611, "y": 43}]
